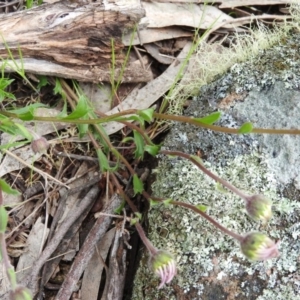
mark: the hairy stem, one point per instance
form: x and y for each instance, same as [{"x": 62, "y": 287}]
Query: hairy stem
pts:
[
  {"x": 208, "y": 173},
  {"x": 236, "y": 236}
]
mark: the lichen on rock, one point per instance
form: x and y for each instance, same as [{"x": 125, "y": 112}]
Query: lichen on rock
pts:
[{"x": 210, "y": 264}]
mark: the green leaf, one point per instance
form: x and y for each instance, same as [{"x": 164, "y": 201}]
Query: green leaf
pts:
[
  {"x": 14, "y": 128},
  {"x": 57, "y": 88},
  {"x": 102, "y": 137},
  {"x": 133, "y": 221},
  {"x": 131, "y": 118},
  {"x": 7, "y": 189},
  {"x": 103, "y": 161},
  {"x": 3, "y": 219},
  {"x": 7, "y": 125},
  {"x": 29, "y": 4},
  {"x": 210, "y": 119},
  {"x": 139, "y": 215},
  {"x": 147, "y": 114},
  {"x": 167, "y": 202},
  {"x": 27, "y": 113},
  {"x": 83, "y": 128},
  {"x": 153, "y": 202},
  {"x": 26, "y": 117},
  {"x": 201, "y": 207},
  {"x": 63, "y": 112},
  {"x": 13, "y": 144},
  {"x": 4, "y": 83},
  {"x": 139, "y": 144},
  {"x": 27, "y": 110},
  {"x": 81, "y": 110},
  {"x": 43, "y": 81},
  {"x": 137, "y": 185},
  {"x": 152, "y": 149},
  {"x": 24, "y": 132},
  {"x": 119, "y": 209},
  {"x": 246, "y": 128},
  {"x": 128, "y": 139},
  {"x": 8, "y": 129}
]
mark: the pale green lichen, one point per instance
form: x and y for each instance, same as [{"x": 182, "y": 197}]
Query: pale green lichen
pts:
[{"x": 195, "y": 242}]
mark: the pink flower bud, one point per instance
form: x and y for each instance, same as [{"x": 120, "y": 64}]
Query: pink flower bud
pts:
[
  {"x": 257, "y": 246},
  {"x": 40, "y": 145},
  {"x": 259, "y": 208},
  {"x": 163, "y": 265}
]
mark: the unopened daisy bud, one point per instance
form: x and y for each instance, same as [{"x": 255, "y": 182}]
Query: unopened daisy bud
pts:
[
  {"x": 40, "y": 145},
  {"x": 163, "y": 265},
  {"x": 259, "y": 208},
  {"x": 257, "y": 246}
]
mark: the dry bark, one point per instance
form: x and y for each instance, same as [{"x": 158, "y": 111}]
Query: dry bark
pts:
[{"x": 73, "y": 40}]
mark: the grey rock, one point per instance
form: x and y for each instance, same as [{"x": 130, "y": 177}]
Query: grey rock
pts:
[{"x": 265, "y": 91}]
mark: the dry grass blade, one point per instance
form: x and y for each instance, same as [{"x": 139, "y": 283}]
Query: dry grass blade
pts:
[{"x": 45, "y": 175}]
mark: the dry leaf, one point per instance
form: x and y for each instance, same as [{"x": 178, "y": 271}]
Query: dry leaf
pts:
[
  {"x": 183, "y": 14},
  {"x": 35, "y": 242},
  {"x": 92, "y": 275}
]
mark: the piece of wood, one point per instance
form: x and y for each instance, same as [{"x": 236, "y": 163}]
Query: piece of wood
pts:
[
  {"x": 115, "y": 278},
  {"x": 72, "y": 40},
  {"x": 92, "y": 275}
]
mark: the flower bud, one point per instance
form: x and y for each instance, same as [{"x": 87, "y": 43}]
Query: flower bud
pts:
[
  {"x": 40, "y": 145},
  {"x": 257, "y": 246},
  {"x": 259, "y": 208},
  {"x": 163, "y": 265}
]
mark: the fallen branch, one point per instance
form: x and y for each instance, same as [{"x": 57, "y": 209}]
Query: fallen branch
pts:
[{"x": 72, "y": 41}]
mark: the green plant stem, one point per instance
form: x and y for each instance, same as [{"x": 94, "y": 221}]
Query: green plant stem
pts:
[
  {"x": 132, "y": 126},
  {"x": 207, "y": 172},
  {"x": 139, "y": 130},
  {"x": 234, "y": 235},
  {"x": 117, "y": 117},
  {"x": 192, "y": 121},
  {"x": 138, "y": 226}
]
